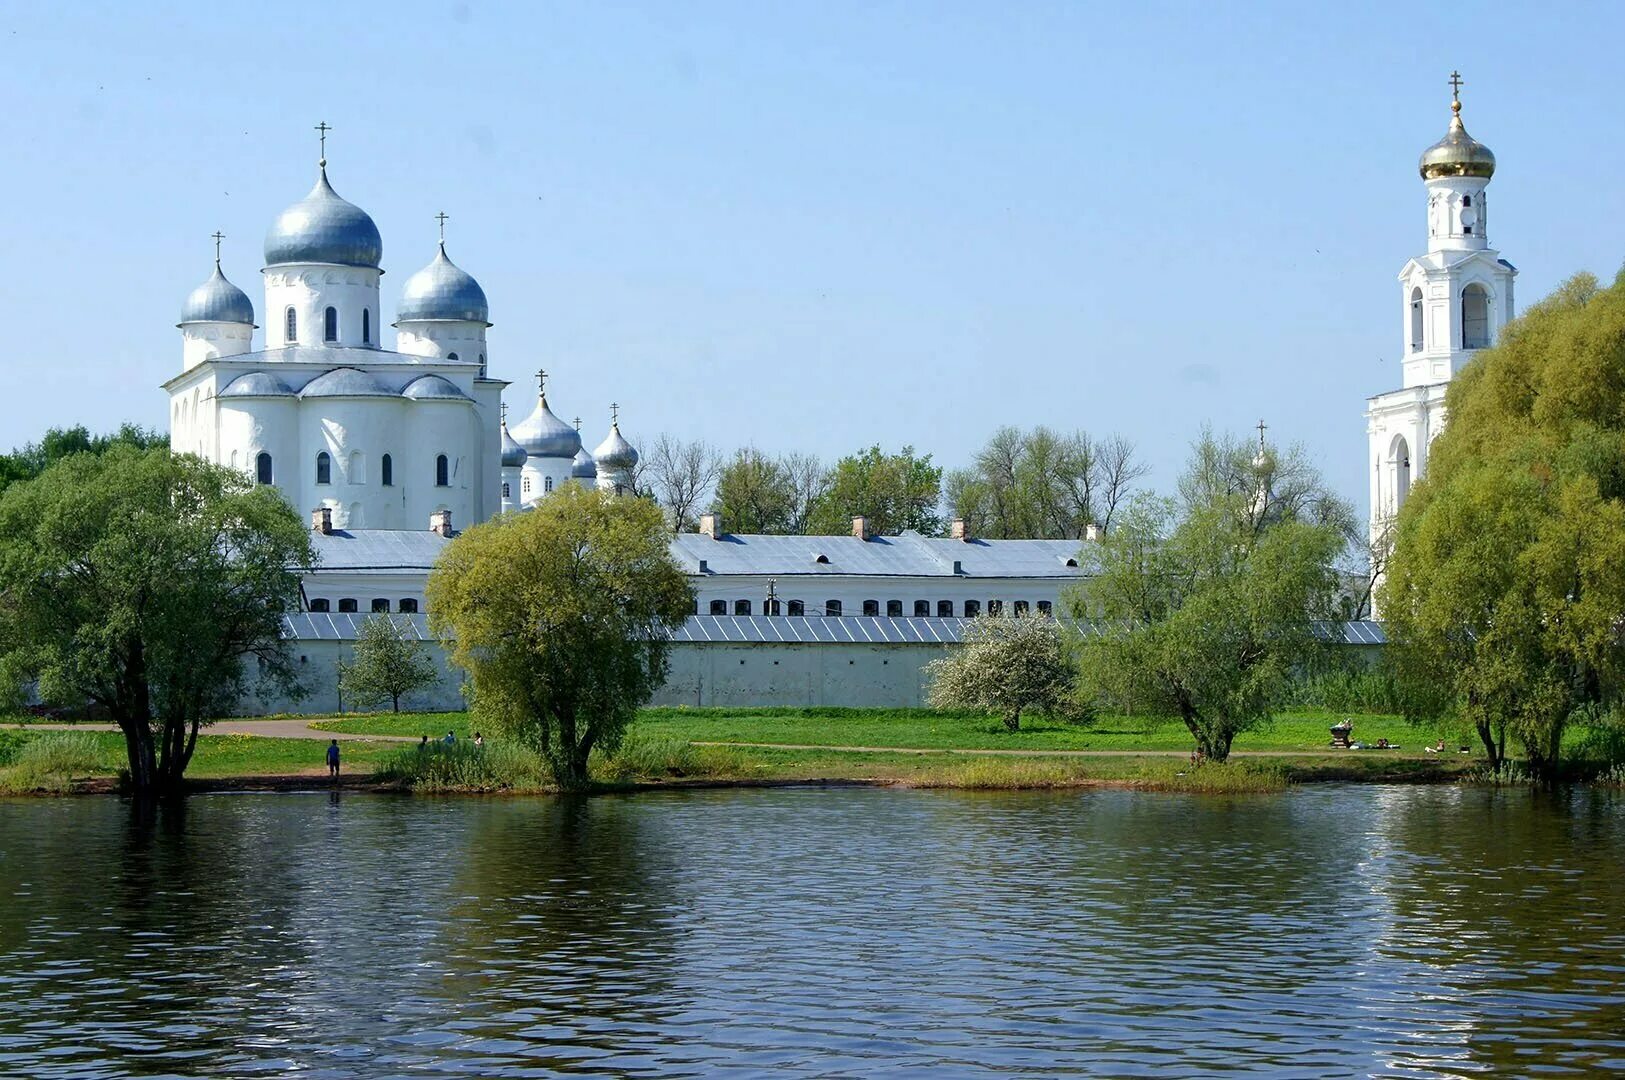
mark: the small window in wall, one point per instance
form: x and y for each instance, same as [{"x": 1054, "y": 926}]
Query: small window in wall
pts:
[
  {"x": 770, "y": 607},
  {"x": 347, "y": 605},
  {"x": 1416, "y": 320},
  {"x": 995, "y": 607},
  {"x": 973, "y": 608},
  {"x": 366, "y": 326},
  {"x": 832, "y": 607},
  {"x": 506, "y": 493},
  {"x": 380, "y": 605},
  {"x": 386, "y": 471},
  {"x": 945, "y": 609},
  {"x": 741, "y": 607},
  {"x": 330, "y": 324},
  {"x": 871, "y": 607},
  {"x": 409, "y": 605},
  {"x": 1045, "y": 607},
  {"x": 262, "y": 468},
  {"x": 321, "y": 604},
  {"x": 482, "y": 364},
  {"x": 894, "y": 609},
  {"x": 324, "y": 468},
  {"x": 442, "y": 471},
  {"x": 922, "y": 609},
  {"x": 524, "y": 486},
  {"x": 451, "y": 356},
  {"x": 798, "y": 608},
  {"x": 547, "y": 485},
  {"x": 290, "y": 326},
  {"x": 1021, "y": 607},
  {"x": 719, "y": 607}
]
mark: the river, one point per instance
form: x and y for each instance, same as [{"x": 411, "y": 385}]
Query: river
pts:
[{"x": 1331, "y": 931}]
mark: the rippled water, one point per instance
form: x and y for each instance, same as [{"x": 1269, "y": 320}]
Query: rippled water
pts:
[{"x": 1324, "y": 932}]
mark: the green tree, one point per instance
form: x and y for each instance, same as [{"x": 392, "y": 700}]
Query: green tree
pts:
[
  {"x": 1505, "y": 593},
  {"x": 1006, "y": 665},
  {"x": 893, "y": 491},
  {"x": 140, "y": 582},
  {"x": 561, "y": 616},
  {"x": 385, "y": 663},
  {"x": 29, "y": 461},
  {"x": 755, "y": 493},
  {"x": 1043, "y": 485},
  {"x": 1204, "y": 606}
]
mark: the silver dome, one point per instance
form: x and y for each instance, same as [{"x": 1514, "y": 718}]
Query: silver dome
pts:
[
  {"x": 323, "y": 228},
  {"x": 615, "y": 453},
  {"x": 584, "y": 467},
  {"x": 257, "y": 384},
  {"x": 433, "y": 388},
  {"x": 544, "y": 435},
  {"x": 442, "y": 292},
  {"x": 513, "y": 455},
  {"x": 217, "y": 300},
  {"x": 345, "y": 382}
]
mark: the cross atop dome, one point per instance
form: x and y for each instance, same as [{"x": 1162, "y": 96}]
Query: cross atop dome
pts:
[
  {"x": 442, "y": 218},
  {"x": 322, "y": 129},
  {"x": 1456, "y": 84},
  {"x": 217, "y": 236}
]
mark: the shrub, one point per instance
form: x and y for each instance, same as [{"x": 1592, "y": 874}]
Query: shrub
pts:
[
  {"x": 50, "y": 761},
  {"x": 643, "y": 758},
  {"x": 464, "y": 767}
]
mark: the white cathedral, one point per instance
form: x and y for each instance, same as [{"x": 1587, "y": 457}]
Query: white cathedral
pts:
[
  {"x": 364, "y": 437},
  {"x": 1454, "y": 300}
]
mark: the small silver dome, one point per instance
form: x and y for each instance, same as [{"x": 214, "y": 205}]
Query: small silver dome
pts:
[
  {"x": 217, "y": 300},
  {"x": 513, "y": 455},
  {"x": 323, "y": 228},
  {"x": 256, "y": 384},
  {"x": 442, "y": 292},
  {"x": 615, "y": 453},
  {"x": 584, "y": 467},
  {"x": 433, "y": 388},
  {"x": 345, "y": 382},
  {"x": 544, "y": 435}
]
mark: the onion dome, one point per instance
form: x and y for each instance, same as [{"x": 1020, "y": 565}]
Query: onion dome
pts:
[
  {"x": 323, "y": 228},
  {"x": 442, "y": 292},
  {"x": 544, "y": 435},
  {"x": 345, "y": 382},
  {"x": 615, "y": 453},
  {"x": 583, "y": 467},
  {"x": 256, "y": 384},
  {"x": 513, "y": 455},
  {"x": 1458, "y": 153},
  {"x": 433, "y": 388},
  {"x": 217, "y": 300}
]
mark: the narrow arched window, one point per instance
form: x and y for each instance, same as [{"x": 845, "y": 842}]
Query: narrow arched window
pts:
[
  {"x": 922, "y": 609},
  {"x": 330, "y": 324},
  {"x": 945, "y": 609},
  {"x": 262, "y": 468},
  {"x": 1475, "y": 317},
  {"x": 871, "y": 607},
  {"x": 524, "y": 486},
  {"x": 741, "y": 607},
  {"x": 324, "y": 468},
  {"x": 290, "y": 326},
  {"x": 386, "y": 471},
  {"x": 507, "y": 492},
  {"x": 409, "y": 605},
  {"x": 719, "y": 607},
  {"x": 442, "y": 471},
  {"x": 1416, "y": 320},
  {"x": 347, "y": 605},
  {"x": 832, "y": 607},
  {"x": 366, "y": 326},
  {"x": 451, "y": 356}
]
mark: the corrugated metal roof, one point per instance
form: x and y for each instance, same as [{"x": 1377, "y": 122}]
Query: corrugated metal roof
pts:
[
  {"x": 907, "y": 555},
  {"x": 326, "y": 626}
]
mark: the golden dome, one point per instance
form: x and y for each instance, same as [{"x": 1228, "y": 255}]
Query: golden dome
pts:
[{"x": 1458, "y": 153}]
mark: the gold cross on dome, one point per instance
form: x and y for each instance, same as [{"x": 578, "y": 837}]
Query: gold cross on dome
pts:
[{"x": 441, "y": 217}]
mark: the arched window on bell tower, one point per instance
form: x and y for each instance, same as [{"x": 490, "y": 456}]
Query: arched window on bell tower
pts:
[
  {"x": 290, "y": 327},
  {"x": 1399, "y": 461},
  {"x": 1416, "y": 319},
  {"x": 1475, "y": 317}
]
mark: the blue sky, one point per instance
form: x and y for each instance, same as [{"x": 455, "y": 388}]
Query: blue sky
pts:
[{"x": 812, "y": 227}]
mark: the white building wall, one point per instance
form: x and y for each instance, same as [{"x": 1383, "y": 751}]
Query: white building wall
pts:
[
  {"x": 209, "y": 341},
  {"x": 434, "y": 428},
  {"x": 816, "y": 590},
  {"x": 309, "y": 289}
]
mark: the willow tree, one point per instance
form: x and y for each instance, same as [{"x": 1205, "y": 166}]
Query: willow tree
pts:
[
  {"x": 1506, "y": 586},
  {"x": 151, "y": 586},
  {"x": 562, "y": 618}
]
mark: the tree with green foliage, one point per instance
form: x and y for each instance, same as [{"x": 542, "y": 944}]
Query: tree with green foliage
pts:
[
  {"x": 1205, "y": 606},
  {"x": 1505, "y": 593},
  {"x": 141, "y": 583},
  {"x": 386, "y": 663},
  {"x": 1006, "y": 665},
  {"x": 29, "y": 461},
  {"x": 562, "y": 618},
  {"x": 1043, "y": 485},
  {"x": 892, "y": 491},
  {"x": 755, "y": 493}
]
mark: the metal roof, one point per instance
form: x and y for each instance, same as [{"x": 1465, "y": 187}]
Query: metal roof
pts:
[
  {"x": 323, "y": 626},
  {"x": 378, "y": 549},
  {"x": 907, "y": 555}
]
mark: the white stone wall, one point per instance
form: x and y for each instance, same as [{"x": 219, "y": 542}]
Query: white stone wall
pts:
[
  {"x": 208, "y": 341},
  {"x": 816, "y": 590},
  {"x": 312, "y": 288}
]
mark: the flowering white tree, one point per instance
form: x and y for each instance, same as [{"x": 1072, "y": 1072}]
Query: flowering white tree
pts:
[{"x": 1007, "y": 665}]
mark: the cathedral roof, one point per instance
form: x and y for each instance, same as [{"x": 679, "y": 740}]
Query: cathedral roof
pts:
[
  {"x": 584, "y": 467},
  {"x": 217, "y": 300},
  {"x": 433, "y": 388},
  {"x": 544, "y": 435},
  {"x": 345, "y": 382},
  {"x": 513, "y": 455},
  {"x": 257, "y": 384},
  {"x": 323, "y": 228},
  {"x": 1458, "y": 153},
  {"x": 442, "y": 291}
]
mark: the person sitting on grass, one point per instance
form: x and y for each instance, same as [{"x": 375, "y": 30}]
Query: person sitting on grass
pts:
[
  {"x": 450, "y": 739},
  {"x": 424, "y": 745}
]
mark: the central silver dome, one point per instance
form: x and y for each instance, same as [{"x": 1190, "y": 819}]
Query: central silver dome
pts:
[
  {"x": 217, "y": 300},
  {"x": 442, "y": 292},
  {"x": 323, "y": 228},
  {"x": 544, "y": 435}
]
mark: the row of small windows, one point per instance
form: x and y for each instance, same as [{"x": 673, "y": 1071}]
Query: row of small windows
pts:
[
  {"x": 1475, "y": 318},
  {"x": 894, "y": 608},
  {"x": 380, "y": 605},
  {"x": 386, "y": 469},
  {"x": 330, "y": 325}
]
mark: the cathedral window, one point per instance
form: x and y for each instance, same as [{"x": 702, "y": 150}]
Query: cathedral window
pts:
[
  {"x": 290, "y": 327},
  {"x": 945, "y": 609},
  {"x": 321, "y": 604},
  {"x": 380, "y": 605},
  {"x": 524, "y": 486},
  {"x": 922, "y": 609},
  {"x": 1416, "y": 320},
  {"x": 1475, "y": 317},
  {"x": 741, "y": 607},
  {"x": 324, "y": 468},
  {"x": 719, "y": 607},
  {"x": 894, "y": 609},
  {"x": 442, "y": 471},
  {"x": 871, "y": 607},
  {"x": 798, "y": 608},
  {"x": 347, "y": 605},
  {"x": 547, "y": 485},
  {"x": 386, "y": 471},
  {"x": 409, "y": 605},
  {"x": 366, "y": 326},
  {"x": 330, "y": 324},
  {"x": 507, "y": 493},
  {"x": 262, "y": 468},
  {"x": 832, "y": 608}
]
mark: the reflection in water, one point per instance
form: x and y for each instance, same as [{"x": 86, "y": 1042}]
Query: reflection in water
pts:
[{"x": 1336, "y": 931}]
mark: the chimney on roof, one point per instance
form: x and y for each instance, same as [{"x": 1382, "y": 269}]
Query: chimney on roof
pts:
[
  {"x": 321, "y": 520},
  {"x": 860, "y": 527},
  {"x": 711, "y": 525},
  {"x": 1093, "y": 532},
  {"x": 958, "y": 531},
  {"x": 440, "y": 523}
]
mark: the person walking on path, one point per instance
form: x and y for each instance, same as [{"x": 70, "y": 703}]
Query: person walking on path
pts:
[{"x": 333, "y": 759}]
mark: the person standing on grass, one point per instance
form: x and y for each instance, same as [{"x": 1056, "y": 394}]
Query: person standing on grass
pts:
[
  {"x": 333, "y": 759},
  {"x": 450, "y": 739},
  {"x": 479, "y": 742}
]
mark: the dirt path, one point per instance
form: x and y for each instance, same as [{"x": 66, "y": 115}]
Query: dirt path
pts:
[
  {"x": 272, "y": 729},
  {"x": 1028, "y": 753}
]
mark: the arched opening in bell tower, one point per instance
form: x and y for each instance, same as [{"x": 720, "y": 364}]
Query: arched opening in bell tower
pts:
[
  {"x": 1399, "y": 464},
  {"x": 1475, "y": 317},
  {"x": 1416, "y": 319}
]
